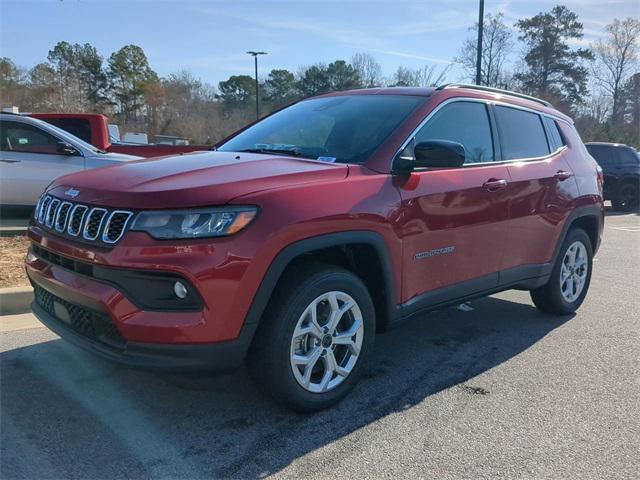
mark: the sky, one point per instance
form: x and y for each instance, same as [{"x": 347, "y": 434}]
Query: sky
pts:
[{"x": 210, "y": 38}]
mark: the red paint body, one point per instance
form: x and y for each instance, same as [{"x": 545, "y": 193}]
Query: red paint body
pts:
[
  {"x": 492, "y": 231},
  {"x": 98, "y": 136}
]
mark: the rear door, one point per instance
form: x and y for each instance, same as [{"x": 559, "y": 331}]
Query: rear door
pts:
[
  {"x": 541, "y": 190},
  {"x": 29, "y": 161},
  {"x": 453, "y": 220}
]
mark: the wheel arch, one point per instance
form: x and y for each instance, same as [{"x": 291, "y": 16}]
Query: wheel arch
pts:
[
  {"x": 589, "y": 218},
  {"x": 363, "y": 252}
]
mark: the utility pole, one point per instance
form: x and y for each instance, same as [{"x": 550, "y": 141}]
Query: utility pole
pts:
[
  {"x": 255, "y": 58},
  {"x": 479, "y": 57}
]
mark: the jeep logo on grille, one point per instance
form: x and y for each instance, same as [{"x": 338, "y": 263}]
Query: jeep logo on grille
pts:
[{"x": 72, "y": 192}]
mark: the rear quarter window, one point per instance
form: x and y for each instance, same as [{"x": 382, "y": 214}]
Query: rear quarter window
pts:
[
  {"x": 555, "y": 138},
  {"x": 522, "y": 134}
]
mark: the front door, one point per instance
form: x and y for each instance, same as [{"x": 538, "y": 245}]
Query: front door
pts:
[
  {"x": 453, "y": 221},
  {"x": 29, "y": 161}
]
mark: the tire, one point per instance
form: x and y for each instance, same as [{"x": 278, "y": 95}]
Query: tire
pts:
[
  {"x": 558, "y": 296},
  {"x": 279, "y": 346},
  {"x": 627, "y": 198}
]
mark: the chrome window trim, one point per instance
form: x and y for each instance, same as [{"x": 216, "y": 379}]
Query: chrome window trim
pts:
[
  {"x": 47, "y": 223},
  {"x": 73, "y": 210},
  {"x": 487, "y": 102},
  {"x": 105, "y": 232},
  {"x": 88, "y": 218},
  {"x": 55, "y": 222}
]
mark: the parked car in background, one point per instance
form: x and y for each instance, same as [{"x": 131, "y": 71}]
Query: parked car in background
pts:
[
  {"x": 94, "y": 129},
  {"x": 33, "y": 153},
  {"x": 621, "y": 168},
  {"x": 306, "y": 233}
]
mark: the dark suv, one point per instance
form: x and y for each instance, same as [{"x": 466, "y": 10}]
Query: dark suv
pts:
[
  {"x": 307, "y": 232},
  {"x": 621, "y": 168}
]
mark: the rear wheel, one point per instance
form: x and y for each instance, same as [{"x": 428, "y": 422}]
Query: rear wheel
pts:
[
  {"x": 627, "y": 198},
  {"x": 569, "y": 282},
  {"x": 314, "y": 338}
]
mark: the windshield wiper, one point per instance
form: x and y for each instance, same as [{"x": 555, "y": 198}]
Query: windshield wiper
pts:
[{"x": 290, "y": 152}]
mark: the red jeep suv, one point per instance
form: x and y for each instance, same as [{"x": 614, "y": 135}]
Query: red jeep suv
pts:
[{"x": 308, "y": 231}]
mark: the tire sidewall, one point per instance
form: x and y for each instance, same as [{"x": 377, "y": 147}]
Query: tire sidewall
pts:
[{"x": 288, "y": 390}]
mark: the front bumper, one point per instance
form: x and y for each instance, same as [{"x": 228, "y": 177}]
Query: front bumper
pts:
[{"x": 216, "y": 357}]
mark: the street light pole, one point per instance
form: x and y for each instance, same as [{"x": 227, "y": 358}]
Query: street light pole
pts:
[
  {"x": 479, "y": 57},
  {"x": 255, "y": 58}
]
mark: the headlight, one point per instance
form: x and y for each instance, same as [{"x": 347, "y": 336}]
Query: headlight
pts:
[{"x": 196, "y": 223}]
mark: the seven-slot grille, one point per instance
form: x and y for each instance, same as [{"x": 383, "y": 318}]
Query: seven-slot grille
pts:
[{"x": 83, "y": 222}]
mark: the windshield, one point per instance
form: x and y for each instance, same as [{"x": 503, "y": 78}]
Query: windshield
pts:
[{"x": 345, "y": 129}]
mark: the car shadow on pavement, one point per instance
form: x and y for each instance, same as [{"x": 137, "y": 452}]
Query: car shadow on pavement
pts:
[{"x": 68, "y": 414}]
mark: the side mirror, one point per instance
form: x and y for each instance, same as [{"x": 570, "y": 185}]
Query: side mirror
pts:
[
  {"x": 433, "y": 154},
  {"x": 65, "y": 148}
]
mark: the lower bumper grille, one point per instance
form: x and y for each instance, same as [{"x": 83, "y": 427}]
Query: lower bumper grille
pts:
[{"x": 93, "y": 325}]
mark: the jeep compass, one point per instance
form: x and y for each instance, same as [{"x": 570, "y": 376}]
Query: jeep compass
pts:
[{"x": 301, "y": 236}]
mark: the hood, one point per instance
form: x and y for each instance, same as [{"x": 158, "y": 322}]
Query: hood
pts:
[
  {"x": 116, "y": 157},
  {"x": 192, "y": 180}
]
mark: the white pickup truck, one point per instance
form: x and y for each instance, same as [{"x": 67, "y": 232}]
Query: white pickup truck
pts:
[{"x": 34, "y": 152}]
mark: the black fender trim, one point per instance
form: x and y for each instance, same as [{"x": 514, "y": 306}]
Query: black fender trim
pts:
[
  {"x": 592, "y": 211},
  {"x": 308, "y": 245}
]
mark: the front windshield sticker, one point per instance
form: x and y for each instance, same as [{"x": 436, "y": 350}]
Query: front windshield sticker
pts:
[
  {"x": 274, "y": 146},
  {"x": 327, "y": 159}
]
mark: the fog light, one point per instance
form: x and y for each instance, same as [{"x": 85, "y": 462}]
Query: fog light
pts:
[{"x": 180, "y": 290}]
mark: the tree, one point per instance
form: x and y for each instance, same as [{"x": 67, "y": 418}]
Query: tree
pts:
[
  {"x": 630, "y": 105},
  {"x": 314, "y": 80},
  {"x": 11, "y": 82},
  {"x": 238, "y": 90},
  {"x": 552, "y": 68},
  {"x": 129, "y": 73},
  {"x": 281, "y": 87},
  {"x": 336, "y": 76},
  {"x": 342, "y": 76},
  {"x": 368, "y": 69},
  {"x": 43, "y": 88},
  {"x": 616, "y": 55},
  {"x": 427, "y": 76},
  {"x": 496, "y": 46}
]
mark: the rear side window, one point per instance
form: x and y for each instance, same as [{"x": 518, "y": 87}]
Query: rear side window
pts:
[
  {"x": 463, "y": 122},
  {"x": 522, "y": 134},
  {"x": 603, "y": 155},
  {"x": 22, "y": 137},
  {"x": 555, "y": 139},
  {"x": 79, "y": 127},
  {"x": 628, "y": 156}
]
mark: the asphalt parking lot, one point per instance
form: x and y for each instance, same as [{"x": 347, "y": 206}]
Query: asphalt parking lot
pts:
[{"x": 500, "y": 391}]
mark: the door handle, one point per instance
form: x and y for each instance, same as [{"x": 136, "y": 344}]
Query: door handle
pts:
[
  {"x": 494, "y": 184},
  {"x": 5, "y": 160},
  {"x": 563, "y": 175}
]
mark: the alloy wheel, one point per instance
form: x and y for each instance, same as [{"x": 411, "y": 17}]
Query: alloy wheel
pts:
[
  {"x": 573, "y": 273},
  {"x": 326, "y": 342}
]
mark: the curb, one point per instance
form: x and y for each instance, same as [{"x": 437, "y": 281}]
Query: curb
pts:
[
  {"x": 15, "y": 300},
  {"x": 12, "y": 231}
]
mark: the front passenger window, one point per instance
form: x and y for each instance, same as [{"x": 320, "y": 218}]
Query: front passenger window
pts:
[
  {"x": 463, "y": 122},
  {"x": 25, "y": 138}
]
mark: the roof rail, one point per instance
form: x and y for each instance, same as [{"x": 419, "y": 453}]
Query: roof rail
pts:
[{"x": 495, "y": 90}]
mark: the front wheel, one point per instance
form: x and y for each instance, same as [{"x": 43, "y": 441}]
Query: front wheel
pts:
[
  {"x": 314, "y": 338},
  {"x": 570, "y": 278}
]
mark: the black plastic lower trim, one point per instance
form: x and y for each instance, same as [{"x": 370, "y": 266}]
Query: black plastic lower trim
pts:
[
  {"x": 148, "y": 290},
  {"x": 524, "y": 277},
  {"x": 214, "y": 357}
]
